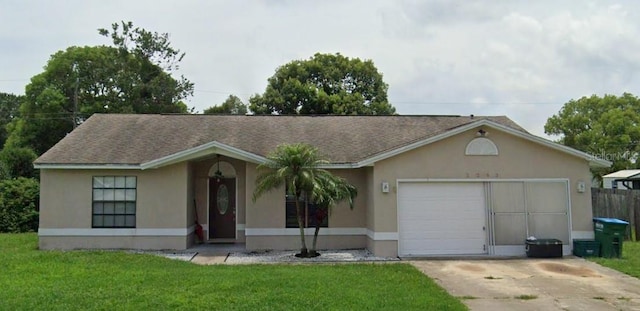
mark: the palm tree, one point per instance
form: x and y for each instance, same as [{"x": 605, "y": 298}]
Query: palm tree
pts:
[
  {"x": 296, "y": 167},
  {"x": 328, "y": 191}
]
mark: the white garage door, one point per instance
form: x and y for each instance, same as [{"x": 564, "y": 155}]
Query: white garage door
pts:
[{"x": 441, "y": 219}]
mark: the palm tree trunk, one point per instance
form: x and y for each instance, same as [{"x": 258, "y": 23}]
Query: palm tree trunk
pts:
[
  {"x": 315, "y": 239},
  {"x": 303, "y": 250}
]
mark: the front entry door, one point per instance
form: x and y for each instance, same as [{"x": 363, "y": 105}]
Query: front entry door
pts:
[{"x": 222, "y": 208}]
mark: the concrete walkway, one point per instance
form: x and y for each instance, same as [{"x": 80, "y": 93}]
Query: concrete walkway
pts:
[{"x": 534, "y": 284}]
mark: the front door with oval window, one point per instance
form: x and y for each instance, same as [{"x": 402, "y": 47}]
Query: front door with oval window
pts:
[{"x": 222, "y": 208}]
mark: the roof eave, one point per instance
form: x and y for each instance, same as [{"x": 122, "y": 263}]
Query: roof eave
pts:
[{"x": 74, "y": 166}]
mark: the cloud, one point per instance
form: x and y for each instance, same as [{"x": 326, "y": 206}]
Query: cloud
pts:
[{"x": 522, "y": 58}]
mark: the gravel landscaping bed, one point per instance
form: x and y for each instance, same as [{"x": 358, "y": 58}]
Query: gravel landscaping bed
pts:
[{"x": 357, "y": 255}]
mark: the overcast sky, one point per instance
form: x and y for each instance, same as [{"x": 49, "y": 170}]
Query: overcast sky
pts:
[{"x": 523, "y": 59}]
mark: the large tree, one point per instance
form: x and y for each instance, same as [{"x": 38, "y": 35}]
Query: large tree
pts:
[
  {"x": 232, "y": 105},
  {"x": 132, "y": 76},
  {"x": 325, "y": 84},
  {"x": 294, "y": 166},
  {"x": 9, "y": 110},
  {"x": 607, "y": 127}
]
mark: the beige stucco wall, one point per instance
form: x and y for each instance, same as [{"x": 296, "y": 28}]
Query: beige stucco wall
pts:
[
  {"x": 66, "y": 202},
  {"x": 446, "y": 159},
  {"x": 200, "y": 178}
]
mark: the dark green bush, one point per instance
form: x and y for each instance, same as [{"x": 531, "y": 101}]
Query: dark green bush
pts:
[
  {"x": 18, "y": 162},
  {"x": 19, "y": 204}
]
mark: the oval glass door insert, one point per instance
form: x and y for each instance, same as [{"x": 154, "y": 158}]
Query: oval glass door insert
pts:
[{"x": 222, "y": 199}]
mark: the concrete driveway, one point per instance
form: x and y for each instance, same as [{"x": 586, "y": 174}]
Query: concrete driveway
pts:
[{"x": 534, "y": 284}]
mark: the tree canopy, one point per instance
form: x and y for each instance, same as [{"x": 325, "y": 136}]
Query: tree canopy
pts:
[
  {"x": 325, "y": 84},
  {"x": 9, "y": 110},
  {"x": 232, "y": 105},
  {"x": 133, "y": 76},
  {"x": 607, "y": 127}
]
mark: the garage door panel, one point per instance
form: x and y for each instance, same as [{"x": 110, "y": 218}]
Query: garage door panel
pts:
[
  {"x": 444, "y": 247},
  {"x": 443, "y": 234},
  {"x": 441, "y": 218}
]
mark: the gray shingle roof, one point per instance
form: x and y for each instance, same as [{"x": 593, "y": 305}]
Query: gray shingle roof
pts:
[{"x": 135, "y": 138}]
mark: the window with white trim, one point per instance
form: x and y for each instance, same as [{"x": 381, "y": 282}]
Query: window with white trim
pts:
[{"x": 114, "y": 202}]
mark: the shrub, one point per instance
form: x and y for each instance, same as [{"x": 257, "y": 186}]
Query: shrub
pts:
[
  {"x": 19, "y": 204},
  {"x": 18, "y": 162}
]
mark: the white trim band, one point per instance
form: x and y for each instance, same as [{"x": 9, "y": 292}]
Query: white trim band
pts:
[
  {"x": 114, "y": 232},
  {"x": 382, "y": 236}
]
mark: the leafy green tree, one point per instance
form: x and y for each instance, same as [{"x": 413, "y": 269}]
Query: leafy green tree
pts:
[
  {"x": 18, "y": 162},
  {"x": 19, "y": 204},
  {"x": 232, "y": 105},
  {"x": 607, "y": 127},
  {"x": 294, "y": 166},
  {"x": 325, "y": 84},
  {"x": 328, "y": 191},
  {"x": 9, "y": 110},
  {"x": 133, "y": 76}
]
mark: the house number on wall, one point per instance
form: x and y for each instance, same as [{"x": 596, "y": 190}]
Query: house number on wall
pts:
[{"x": 483, "y": 175}]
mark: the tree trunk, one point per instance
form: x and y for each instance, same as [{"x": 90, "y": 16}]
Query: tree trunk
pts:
[
  {"x": 315, "y": 240},
  {"x": 303, "y": 249}
]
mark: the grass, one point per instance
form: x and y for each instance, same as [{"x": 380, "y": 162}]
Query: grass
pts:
[
  {"x": 526, "y": 297},
  {"x": 85, "y": 280},
  {"x": 629, "y": 263}
]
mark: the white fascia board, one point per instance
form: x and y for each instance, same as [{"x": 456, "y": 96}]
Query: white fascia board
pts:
[
  {"x": 88, "y": 166},
  {"x": 593, "y": 161},
  {"x": 213, "y": 147}
]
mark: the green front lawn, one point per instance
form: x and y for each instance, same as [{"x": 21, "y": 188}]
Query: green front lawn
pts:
[
  {"x": 80, "y": 280},
  {"x": 629, "y": 263}
]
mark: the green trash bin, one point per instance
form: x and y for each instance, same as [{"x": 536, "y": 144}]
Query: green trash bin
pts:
[{"x": 610, "y": 232}]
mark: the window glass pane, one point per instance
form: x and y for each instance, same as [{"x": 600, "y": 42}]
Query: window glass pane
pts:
[
  {"x": 108, "y": 221},
  {"x": 119, "y": 220},
  {"x": 109, "y": 181},
  {"x": 131, "y": 182},
  {"x": 130, "y": 221},
  {"x": 97, "y": 221},
  {"x": 131, "y": 208},
  {"x": 120, "y": 182},
  {"x": 108, "y": 194},
  {"x": 119, "y": 194},
  {"x": 315, "y": 215},
  {"x": 98, "y": 194},
  {"x": 130, "y": 195},
  {"x": 108, "y": 207},
  {"x": 119, "y": 208},
  {"x": 98, "y": 182},
  {"x": 291, "y": 221},
  {"x": 97, "y": 208}
]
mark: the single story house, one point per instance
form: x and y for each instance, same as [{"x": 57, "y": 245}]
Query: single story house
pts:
[
  {"x": 428, "y": 185},
  {"x": 623, "y": 179}
]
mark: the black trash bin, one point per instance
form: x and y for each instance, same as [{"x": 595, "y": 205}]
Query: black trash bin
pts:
[{"x": 543, "y": 248}]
